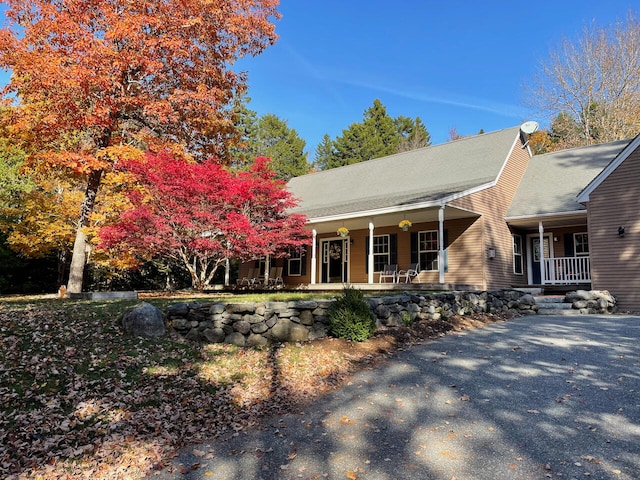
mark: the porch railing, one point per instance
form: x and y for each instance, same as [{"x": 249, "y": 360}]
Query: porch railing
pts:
[{"x": 567, "y": 270}]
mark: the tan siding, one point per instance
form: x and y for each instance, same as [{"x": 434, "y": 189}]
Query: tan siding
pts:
[
  {"x": 615, "y": 262},
  {"x": 492, "y": 204}
]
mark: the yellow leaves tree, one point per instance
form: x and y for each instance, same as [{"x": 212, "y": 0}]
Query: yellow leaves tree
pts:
[{"x": 91, "y": 75}]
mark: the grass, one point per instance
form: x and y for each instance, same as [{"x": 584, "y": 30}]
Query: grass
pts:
[{"x": 79, "y": 399}]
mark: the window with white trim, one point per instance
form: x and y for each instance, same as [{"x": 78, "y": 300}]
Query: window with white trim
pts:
[
  {"x": 517, "y": 255},
  {"x": 581, "y": 244},
  {"x": 428, "y": 250},
  {"x": 381, "y": 252},
  {"x": 294, "y": 267}
]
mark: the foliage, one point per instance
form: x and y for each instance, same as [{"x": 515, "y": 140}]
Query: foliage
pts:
[
  {"x": 591, "y": 86},
  {"x": 95, "y": 78},
  {"x": 350, "y": 316},
  {"x": 407, "y": 321},
  {"x": 376, "y": 136},
  {"x": 269, "y": 136},
  {"x": 413, "y": 133},
  {"x": 201, "y": 214},
  {"x": 13, "y": 180}
]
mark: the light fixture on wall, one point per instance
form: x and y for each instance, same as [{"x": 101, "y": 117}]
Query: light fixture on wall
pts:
[
  {"x": 491, "y": 252},
  {"x": 621, "y": 231}
]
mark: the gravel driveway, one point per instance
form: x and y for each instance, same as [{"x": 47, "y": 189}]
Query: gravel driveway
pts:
[{"x": 532, "y": 398}]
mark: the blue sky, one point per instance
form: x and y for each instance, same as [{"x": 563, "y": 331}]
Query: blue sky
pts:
[{"x": 457, "y": 64}]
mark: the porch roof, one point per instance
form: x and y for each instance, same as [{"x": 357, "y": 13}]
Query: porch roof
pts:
[
  {"x": 550, "y": 186},
  {"x": 404, "y": 181}
]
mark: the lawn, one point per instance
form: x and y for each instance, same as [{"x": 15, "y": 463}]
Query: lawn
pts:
[{"x": 79, "y": 399}]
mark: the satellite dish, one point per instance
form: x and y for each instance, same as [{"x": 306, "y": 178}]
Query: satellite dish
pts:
[{"x": 529, "y": 127}]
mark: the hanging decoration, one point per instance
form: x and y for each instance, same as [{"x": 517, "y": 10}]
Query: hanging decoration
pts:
[
  {"x": 405, "y": 225},
  {"x": 343, "y": 231}
]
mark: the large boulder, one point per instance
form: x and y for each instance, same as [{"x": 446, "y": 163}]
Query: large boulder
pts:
[{"x": 144, "y": 320}]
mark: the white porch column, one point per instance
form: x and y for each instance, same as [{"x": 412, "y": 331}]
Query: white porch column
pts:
[
  {"x": 313, "y": 256},
  {"x": 370, "y": 256},
  {"x": 441, "y": 244},
  {"x": 267, "y": 267},
  {"x": 542, "y": 266},
  {"x": 227, "y": 269}
]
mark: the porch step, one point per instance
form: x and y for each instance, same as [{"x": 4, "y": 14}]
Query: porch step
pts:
[{"x": 554, "y": 305}]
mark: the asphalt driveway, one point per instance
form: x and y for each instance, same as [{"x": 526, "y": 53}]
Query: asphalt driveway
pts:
[{"x": 533, "y": 398}]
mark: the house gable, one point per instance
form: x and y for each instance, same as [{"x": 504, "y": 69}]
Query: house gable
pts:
[
  {"x": 609, "y": 169},
  {"x": 613, "y": 201}
]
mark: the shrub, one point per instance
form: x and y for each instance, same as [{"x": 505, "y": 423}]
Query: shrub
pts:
[
  {"x": 350, "y": 316},
  {"x": 407, "y": 321}
]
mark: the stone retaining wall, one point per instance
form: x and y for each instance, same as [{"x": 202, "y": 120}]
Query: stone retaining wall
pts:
[{"x": 250, "y": 324}]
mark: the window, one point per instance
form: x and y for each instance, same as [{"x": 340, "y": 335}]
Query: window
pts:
[
  {"x": 517, "y": 255},
  {"x": 581, "y": 244},
  {"x": 428, "y": 250},
  {"x": 294, "y": 267},
  {"x": 261, "y": 266},
  {"x": 381, "y": 252}
]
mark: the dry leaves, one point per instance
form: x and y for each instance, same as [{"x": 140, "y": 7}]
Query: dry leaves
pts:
[{"x": 78, "y": 396}]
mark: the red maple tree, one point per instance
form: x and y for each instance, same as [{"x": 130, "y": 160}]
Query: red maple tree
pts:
[{"x": 203, "y": 214}]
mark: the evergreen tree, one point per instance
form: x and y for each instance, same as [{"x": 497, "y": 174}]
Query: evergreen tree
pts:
[
  {"x": 275, "y": 140},
  {"x": 268, "y": 136},
  {"x": 325, "y": 154},
  {"x": 413, "y": 133},
  {"x": 378, "y": 135}
]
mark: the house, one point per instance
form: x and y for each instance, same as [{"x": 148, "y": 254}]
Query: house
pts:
[
  {"x": 612, "y": 200},
  {"x": 479, "y": 208}
]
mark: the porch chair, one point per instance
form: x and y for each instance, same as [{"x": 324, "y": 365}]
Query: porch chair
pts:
[
  {"x": 409, "y": 274},
  {"x": 247, "y": 280},
  {"x": 275, "y": 277},
  {"x": 388, "y": 271}
]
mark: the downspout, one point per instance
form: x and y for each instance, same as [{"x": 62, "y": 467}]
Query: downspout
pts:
[
  {"x": 370, "y": 256},
  {"x": 441, "y": 244},
  {"x": 313, "y": 256}
]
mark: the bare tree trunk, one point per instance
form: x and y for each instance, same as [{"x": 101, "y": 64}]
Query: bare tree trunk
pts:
[{"x": 79, "y": 257}]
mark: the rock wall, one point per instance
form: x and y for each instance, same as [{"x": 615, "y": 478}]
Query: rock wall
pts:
[{"x": 251, "y": 324}]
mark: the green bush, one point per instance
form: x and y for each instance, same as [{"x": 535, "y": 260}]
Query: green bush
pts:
[{"x": 350, "y": 316}]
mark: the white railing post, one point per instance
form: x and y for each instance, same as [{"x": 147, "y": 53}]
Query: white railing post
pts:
[{"x": 568, "y": 270}]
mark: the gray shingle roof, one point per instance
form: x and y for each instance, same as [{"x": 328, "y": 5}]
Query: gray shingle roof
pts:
[
  {"x": 553, "y": 181},
  {"x": 424, "y": 175}
]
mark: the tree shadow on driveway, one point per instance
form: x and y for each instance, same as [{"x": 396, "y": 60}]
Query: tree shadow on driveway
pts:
[{"x": 533, "y": 398}]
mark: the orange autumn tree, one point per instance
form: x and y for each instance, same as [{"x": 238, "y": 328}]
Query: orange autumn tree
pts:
[{"x": 89, "y": 76}]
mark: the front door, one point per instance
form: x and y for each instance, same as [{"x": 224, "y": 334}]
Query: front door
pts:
[
  {"x": 534, "y": 257},
  {"x": 335, "y": 256}
]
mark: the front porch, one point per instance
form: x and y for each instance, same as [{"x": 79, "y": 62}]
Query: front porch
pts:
[{"x": 390, "y": 287}]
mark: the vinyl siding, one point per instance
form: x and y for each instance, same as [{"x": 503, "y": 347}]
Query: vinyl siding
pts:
[
  {"x": 491, "y": 229},
  {"x": 615, "y": 261}
]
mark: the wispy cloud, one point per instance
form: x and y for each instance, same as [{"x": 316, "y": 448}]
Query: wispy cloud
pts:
[
  {"x": 445, "y": 98},
  {"x": 330, "y": 80}
]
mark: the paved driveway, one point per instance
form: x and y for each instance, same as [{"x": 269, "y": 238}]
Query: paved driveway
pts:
[{"x": 532, "y": 398}]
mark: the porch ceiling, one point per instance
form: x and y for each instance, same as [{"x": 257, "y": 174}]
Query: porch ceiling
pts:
[
  {"x": 361, "y": 221},
  {"x": 560, "y": 220}
]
